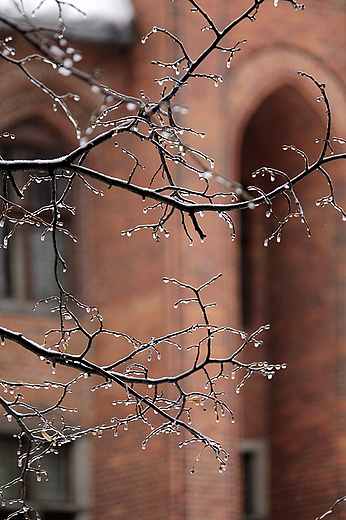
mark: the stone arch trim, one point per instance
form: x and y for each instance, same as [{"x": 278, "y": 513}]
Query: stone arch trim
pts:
[{"x": 264, "y": 71}]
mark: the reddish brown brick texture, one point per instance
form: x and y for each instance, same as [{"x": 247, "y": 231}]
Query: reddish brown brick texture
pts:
[{"x": 297, "y": 285}]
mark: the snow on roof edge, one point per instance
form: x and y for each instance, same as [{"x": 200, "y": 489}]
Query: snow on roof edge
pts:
[{"x": 107, "y": 21}]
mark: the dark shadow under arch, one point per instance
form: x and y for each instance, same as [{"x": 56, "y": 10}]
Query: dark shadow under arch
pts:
[
  {"x": 290, "y": 286},
  {"x": 284, "y": 117}
]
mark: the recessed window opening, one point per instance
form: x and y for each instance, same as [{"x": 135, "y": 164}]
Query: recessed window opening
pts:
[
  {"x": 254, "y": 459},
  {"x": 55, "y": 497},
  {"x": 283, "y": 118},
  {"x": 26, "y": 266}
]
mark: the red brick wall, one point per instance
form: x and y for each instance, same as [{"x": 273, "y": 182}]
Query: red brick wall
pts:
[{"x": 297, "y": 285}]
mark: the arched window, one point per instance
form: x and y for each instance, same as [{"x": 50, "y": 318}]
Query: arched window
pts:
[
  {"x": 284, "y": 117},
  {"x": 286, "y": 284},
  {"x": 26, "y": 265}
]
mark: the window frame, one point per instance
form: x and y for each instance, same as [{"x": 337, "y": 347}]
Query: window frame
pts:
[{"x": 77, "y": 503}]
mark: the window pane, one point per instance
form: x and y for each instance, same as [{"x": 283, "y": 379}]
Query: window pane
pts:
[
  {"x": 54, "y": 498},
  {"x": 42, "y": 258},
  {"x": 3, "y": 289},
  {"x": 58, "y": 516},
  {"x": 56, "y": 487},
  {"x": 249, "y": 484},
  {"x": 8, "y": 465},
  {"x": 26, "y": 266}
]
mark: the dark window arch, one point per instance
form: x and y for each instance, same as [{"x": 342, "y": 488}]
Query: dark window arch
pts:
[
  {"x": 284, "y": 117},
  {"x": 285, "y": 285},
  {"x": 26, "y": 265}
]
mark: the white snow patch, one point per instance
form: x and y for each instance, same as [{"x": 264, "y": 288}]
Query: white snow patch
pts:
[{"x": 98, "y": 14}]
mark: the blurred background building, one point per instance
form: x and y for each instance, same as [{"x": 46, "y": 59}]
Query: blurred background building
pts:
[{"x": 288, "y": 445}]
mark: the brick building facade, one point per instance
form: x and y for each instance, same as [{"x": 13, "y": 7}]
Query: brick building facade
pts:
[{"x": 288, "y": 444}]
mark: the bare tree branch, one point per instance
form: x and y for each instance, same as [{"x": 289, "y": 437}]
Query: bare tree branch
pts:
[{"x": 152, "y": 122}]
